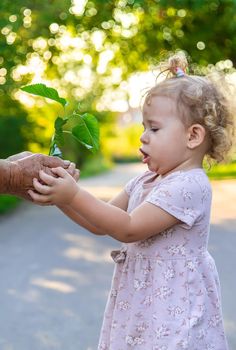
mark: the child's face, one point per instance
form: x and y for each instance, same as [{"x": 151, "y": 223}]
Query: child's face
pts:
[{"x": 164, "y": 140}]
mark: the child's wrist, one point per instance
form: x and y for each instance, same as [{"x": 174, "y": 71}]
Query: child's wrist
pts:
[{"x": 75, "y": 196}]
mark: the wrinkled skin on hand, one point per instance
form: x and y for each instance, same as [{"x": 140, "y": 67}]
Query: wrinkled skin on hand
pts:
[
  {"x": 17, "y": 156},
  {"x": 26, "y": 166}
]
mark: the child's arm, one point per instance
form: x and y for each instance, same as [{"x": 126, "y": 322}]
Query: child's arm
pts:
[
  {"x": 75, "y": 216},
  {"x": 121, "y": 201},
  {"x": 143, "y": 222}
]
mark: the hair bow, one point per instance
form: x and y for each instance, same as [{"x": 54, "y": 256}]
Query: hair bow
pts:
[{"x": 179, "y": 72}]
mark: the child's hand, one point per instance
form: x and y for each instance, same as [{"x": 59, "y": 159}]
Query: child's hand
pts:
[{"x": 54, "y": 190}]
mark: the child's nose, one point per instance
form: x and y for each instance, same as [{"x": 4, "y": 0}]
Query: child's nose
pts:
[{"x": 143, "y": 137}]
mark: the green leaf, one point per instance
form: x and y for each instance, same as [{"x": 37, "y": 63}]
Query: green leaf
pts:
[
  {"x": 44, "y": 91},
  {"x": 58, "y": 137},
  {"x": 87, "y": 131},
  {"x": 60, "y": 122}
]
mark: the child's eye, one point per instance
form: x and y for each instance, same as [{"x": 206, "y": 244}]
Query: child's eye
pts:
[{"x": 154, "y": 129}]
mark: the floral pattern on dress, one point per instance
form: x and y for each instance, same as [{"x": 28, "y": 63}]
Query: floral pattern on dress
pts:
[{"x": 165, "y": 292}]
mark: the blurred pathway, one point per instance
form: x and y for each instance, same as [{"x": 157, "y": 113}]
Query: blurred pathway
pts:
[{"x": 55, "y": 277}]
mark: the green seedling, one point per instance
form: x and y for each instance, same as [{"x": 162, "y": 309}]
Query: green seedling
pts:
[{"x": 86, "y": 130}]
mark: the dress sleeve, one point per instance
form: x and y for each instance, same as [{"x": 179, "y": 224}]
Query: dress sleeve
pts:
[
  {"x": 180, "y": 197},
  {"x": 129, "y": 187}
]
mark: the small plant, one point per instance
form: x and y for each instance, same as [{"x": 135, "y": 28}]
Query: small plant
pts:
[{"x": 86, "y": 130}]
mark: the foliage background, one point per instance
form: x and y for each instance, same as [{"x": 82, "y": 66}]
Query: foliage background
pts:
[{"x": 89, "y": 51}]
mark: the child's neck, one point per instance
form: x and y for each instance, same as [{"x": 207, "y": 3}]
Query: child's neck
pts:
[{"x": 186, "y": 165}]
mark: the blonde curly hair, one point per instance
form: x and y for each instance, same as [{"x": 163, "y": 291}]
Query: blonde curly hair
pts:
[{"x": 200, "y": 100}]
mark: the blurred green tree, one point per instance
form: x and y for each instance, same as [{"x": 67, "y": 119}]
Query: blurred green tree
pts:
[
  {"x": 90, "y": 48},
  {"x": 14, "y": 128}
]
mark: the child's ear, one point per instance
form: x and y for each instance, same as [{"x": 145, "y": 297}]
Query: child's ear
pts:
[{"x": 196, "y": 134}]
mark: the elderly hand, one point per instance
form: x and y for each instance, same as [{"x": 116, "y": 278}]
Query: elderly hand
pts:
[
  {"x": 20, "y": 155},
  {"x": 69, "y": 166},
  {"x": 24, "y": 169}
]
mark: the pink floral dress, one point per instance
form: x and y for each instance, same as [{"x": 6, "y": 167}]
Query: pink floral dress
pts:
[{"x": 165, "y": 291}]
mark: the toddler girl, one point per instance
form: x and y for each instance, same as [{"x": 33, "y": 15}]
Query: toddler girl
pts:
[{"x": 165, "y": 293}]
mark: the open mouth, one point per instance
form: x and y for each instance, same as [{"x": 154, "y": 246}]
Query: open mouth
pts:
[{"x": 146, "y": 157}]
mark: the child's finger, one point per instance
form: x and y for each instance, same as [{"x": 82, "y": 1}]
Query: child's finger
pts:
[
  {"x": 43, "y": 189},
  {"x": 60, "y": 172},
  {"x": 48, "y": 179},
  {"x": 39, "y": 198},
  {"x": 43, "y": 204}
]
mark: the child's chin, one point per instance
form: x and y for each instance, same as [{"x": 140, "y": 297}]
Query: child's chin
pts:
[{"x": 151, "y": 168}]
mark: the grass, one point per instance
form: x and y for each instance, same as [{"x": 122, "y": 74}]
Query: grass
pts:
[
  {"x": 222, "y": 171},
  {"x": 8, "y": 203}
]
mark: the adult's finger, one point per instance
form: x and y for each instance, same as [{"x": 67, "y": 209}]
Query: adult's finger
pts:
[
  {"x": 76, "y": 175},
  {"x": 54, "y": 162},
  {"x": 71, "y": 169}
]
